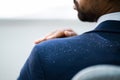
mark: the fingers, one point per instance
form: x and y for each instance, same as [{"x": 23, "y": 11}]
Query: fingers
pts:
[
  {"x": 62, "y": 33},
  {"x": 57, "y": 34},
  {"x": 40, "y": 40},
  {"x": 69, "y": 33},
  {"x": 44, "y": 38}
]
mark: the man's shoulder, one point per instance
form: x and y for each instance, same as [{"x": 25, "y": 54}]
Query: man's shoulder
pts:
[
  {"x": 58, "y": 41},
  {"x": 61, "y": 42}
]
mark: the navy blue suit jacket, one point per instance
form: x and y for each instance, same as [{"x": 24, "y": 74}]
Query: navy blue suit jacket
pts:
[{"x": 62, "y": 58}]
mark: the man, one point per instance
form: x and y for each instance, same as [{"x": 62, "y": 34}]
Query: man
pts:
[{"x": 62, "y": 58}]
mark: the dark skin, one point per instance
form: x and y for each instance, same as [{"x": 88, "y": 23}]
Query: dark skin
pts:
[
  {"x": 88, "y": 10},
  {"x": 91, "y": 10}
]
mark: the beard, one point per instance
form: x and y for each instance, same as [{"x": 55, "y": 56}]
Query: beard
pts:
[{"x": 87, "y": 16}]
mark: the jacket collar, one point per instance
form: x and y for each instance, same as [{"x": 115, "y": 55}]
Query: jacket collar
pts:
[
  {"x": 109, "y": 26},
  {"x": 110, "y": 16}
]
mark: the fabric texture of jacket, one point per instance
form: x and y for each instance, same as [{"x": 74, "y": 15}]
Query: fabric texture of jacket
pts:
[{"x": 62, "y": 58}]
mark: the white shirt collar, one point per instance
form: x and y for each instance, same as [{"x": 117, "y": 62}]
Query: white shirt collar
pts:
[{"x": 111, "y": 16}]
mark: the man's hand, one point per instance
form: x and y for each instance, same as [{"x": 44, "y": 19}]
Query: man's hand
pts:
[{"x": 57, "y": 34}]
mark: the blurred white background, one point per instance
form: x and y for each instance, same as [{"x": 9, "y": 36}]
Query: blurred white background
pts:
[
  {"x": 40, "y": 9},
  {"x": 23, "y": 21}
]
